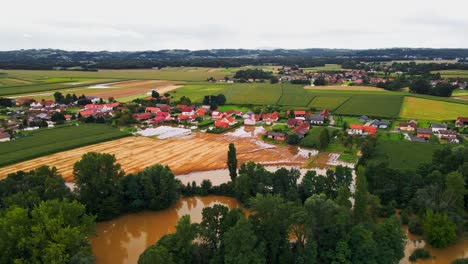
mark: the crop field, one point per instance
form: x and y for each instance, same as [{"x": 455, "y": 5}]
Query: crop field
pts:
[
  {"x": 200, "y": 152},
  {"x": 44, "y": 87},
  {"x": 373, "y": 105},
  {"x": 403, "y": 154},
  {"x": 327, "y": 67},
  {"x": 294, "y": 95},
  {"x": 12, "y": 82},
  {"x": 345, "y": 88},
  {"x": 329, "y": 102},
  {"x": 253, "y": 93},
  {"x": 453, "y": 73},
  {"x": 48, "y": 141},
  {"x": 418, "y": 108},
  {"x": 117, "y": 90},
  {"x": 173, "y": 74},
  {"x": 196, "y": 92}
]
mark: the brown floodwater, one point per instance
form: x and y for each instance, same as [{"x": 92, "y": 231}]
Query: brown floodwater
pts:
[
  {"x": 438, "y": 255},
  {"x": 123, "y": 239}
]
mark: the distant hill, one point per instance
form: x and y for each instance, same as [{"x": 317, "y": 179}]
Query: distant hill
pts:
[{"x": 50, "y": 58}]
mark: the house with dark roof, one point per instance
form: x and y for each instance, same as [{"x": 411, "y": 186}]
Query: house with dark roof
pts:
[
  {"x": 438, "y": 127},
  {"x": 424, "y": 133},
  {"x": 418, "y": 139},
  {"x": 317, "y": 120},
  {"x": 276, "y": 136},
  {"x": 292, "y": 122},
  {"x": 446, "y": 134},
  {"x": 363, "y": 119}
]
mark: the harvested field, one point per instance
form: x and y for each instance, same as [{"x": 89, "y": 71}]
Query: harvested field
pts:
[{"x": 198, "y": 153}]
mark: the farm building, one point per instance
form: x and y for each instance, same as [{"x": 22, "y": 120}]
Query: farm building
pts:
[
  {"x": 424, "y": 133},
  {"x": 461, "y": 122},
  {"x": 300, "y": 114},
  {"x": 276, "y": 136},
  {"x": 408, "y": 126},
  {"x": 355, "y": 129},
  {"x": 301, "y": 130},
  {"x": 317, "y": 120},
  {"x": 438, "y": 127},
  {"x": 4, "y": 136}
]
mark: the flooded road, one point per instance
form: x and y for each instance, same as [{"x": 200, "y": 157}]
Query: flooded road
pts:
[
  {"x": 438, "y": 255},
  {"x": 123, "y": 239}
]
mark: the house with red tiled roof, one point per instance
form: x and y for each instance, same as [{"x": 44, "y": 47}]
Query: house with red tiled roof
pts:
[
  {"x": 461, "y": 121},
  {"x": 200, "y": 112},
  {"x": 270, "y": 118},
  {"x": 220, "y": 123},
  {"x": 142, "y": 116},
  {"x": 369, "y": 130},
  {"x": 152, "y": 109},
  {"x": 292, "y": 122},
  {"x": 355, "y": 129},
  {"x": 216, "y": 115},
  {"x": 86, "y": 113},
  {"x": 300, "y": 114},
  {"x": 301, "y": 130}
]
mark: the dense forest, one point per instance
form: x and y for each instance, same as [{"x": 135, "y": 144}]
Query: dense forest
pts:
[{"x": 50, "y": 58}]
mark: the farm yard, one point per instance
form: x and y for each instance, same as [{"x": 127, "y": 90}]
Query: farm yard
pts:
[
  {"x": 419, "y": 108},
  {"x": 47, "y": 141},
  {"x": 198, "y": 152}
]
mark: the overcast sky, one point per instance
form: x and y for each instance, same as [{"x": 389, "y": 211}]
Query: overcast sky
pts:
[{"x": 205, "y": 24}]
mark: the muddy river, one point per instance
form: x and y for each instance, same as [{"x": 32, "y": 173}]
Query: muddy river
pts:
[{"x": 123, "y": 239}]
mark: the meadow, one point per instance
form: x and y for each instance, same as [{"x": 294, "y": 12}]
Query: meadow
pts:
[
  {"x": 403, "y": 154},
  {"x": 326, "y": 67},
  {"x": 328, "y": 101},
  {"x": 47, "y": 141},
  {"x": 419, "y": 108}
]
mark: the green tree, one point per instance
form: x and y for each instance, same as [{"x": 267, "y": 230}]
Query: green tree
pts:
[
  {"x": 391, "y": 241},
  {"x": 362, "y": 245},
  {"x": 439, "y": 230},
  {"x": 156, "y": 254},
  {"x": 154, "y": 94},
  {"x": 324, "y": 139},
  {"x": 99, "y": 184},
  {"x": 242, "y": 245},
  {"x": 455, "y": 185},
  {"x": 232, "y": 161},
  {"x": 361, "y": 198},
  {"x": 53, "y": 232},
  {"x": 212, "y": 227}
]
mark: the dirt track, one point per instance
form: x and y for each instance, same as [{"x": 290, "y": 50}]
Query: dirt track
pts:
[{"x": 199, "y": 152}]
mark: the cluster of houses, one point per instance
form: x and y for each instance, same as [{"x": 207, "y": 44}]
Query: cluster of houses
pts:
[
  {"x": 300, "y": 123},
  {"x": 441, "y": 131}
]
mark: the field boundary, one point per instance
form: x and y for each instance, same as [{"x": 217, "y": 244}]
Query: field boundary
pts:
[{"x": 340, "y": 105}]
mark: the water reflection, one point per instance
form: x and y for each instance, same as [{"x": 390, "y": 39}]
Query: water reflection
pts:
[{"x": 122, "y": 240}]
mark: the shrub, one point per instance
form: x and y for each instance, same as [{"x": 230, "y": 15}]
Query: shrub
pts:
[{"x": 415, "y": 226}]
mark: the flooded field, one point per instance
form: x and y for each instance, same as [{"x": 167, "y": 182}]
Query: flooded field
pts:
[{"x": 122, "y": 240}]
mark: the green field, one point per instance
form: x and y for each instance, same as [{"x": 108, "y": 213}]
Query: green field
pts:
[
  {"x": 453, "y": 73},
  {"x": 253, "y": 93},
  {"x": 294, "y": 95},
  {"x": 196, "y": 92},
  {"x": 176, "y": 74},
  {"x": 47, "y": 141},
  {"x": 225, "y": 108},
  {"x": 418, "y": 108},
  {"x": 372, "y": 105},
  {"x": 329, "y": 102},
  {"x": 11, "y": 82},
  {"x": 327, "y": 67},
  {"x": 403, "y": 154}
]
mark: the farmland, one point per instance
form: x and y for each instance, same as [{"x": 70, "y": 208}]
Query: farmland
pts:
[
  {"x": 403, "y": 154},
  {"x": 331, "y": 102},
  {"x": 294, "y": 95},
  {"x": 198, "y": 153},
  {"x": 374, "y": 105},
  {"x": 327, "y": 67},
  {"x": 169, "y": 73},
  {"x": 48, "y": 141},
  {"x": 117, "y": 90},
  {"x": 418, "y": 108},
  {"x": 255, "y": 93},
  {"x": 345, "y": 88},
  {"x": 46, "y": 86},
  {"x": 453, "y": 73}
]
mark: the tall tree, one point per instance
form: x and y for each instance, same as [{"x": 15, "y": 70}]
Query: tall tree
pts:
[
  {"x": 99, "y": 184},
  {"x": 232, "y": 161},
  {"x": 361, "y": 197},
  {"x": 242, "y": 245},
  {"x": 391, "y": 241}
]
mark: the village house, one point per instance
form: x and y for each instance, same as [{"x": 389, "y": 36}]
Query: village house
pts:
[
  {"x": 363, "y": 119},
  {"x": 447, "y": 134},
  {"x": 317, "y": 120},
  {"x": 270, "y": 118},
  {"x": 379, "y": 123},
  {"x": 250, "y": 120},
  {"x": 369, "y": 130},
  {"x": 4, "y": 136},
  {"x": 408, "y": 126},
  {"x": 438, "y": 127},
  {"x": 292, "y": 122},
  {"x": 276, "y": 136},
  {"x": 418, "y": 139},
  {"x": 142, "y": 116},
  {"x": 355, "y": 129},
  {"x": 216, "y": 115},
  {"x": 225, "y": 122},
  {"x": 461, "y": 121},
  {"x": 301, "y": 130},
  {"x": 188, "y": 110},
  {"x": 186, "y": 118},
  {"x": 153, "y": 110},
  {"x": 424, "y": 133},
  {"x": 300, "y": 114}
]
